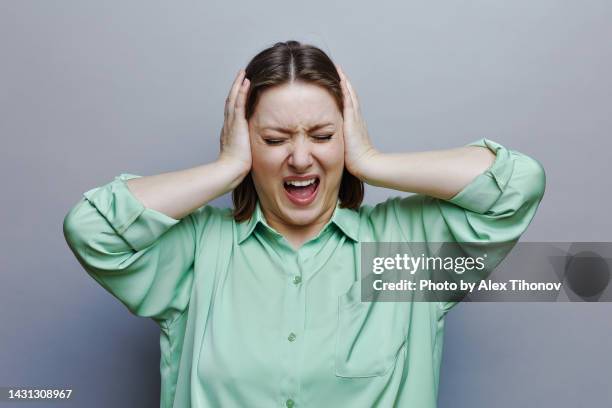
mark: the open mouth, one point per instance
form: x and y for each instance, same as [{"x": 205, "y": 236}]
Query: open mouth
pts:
[{"x": 302, "y": 192}]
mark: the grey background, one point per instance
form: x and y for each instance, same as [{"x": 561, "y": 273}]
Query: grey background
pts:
[{"x": 92, "y": 89}]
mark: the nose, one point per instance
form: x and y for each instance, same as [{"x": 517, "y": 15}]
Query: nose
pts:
[{"x": 300, "y": 157}]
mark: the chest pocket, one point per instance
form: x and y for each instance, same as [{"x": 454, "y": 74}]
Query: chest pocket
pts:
[{"x": 370, "y": 335}]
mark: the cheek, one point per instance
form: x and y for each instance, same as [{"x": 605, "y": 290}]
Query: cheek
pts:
[
  {"x": 266, "y": 161},
  {"x": 332, "y": 156}
]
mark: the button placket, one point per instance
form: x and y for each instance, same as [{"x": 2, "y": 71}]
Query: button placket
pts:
[{"x": 293, "y": 326}]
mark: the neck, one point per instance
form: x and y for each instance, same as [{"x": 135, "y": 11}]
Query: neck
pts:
[{"x": 296, "y": 235}]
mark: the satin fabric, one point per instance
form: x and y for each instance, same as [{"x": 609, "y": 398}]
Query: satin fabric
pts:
[{"x": 247, "y": 321}]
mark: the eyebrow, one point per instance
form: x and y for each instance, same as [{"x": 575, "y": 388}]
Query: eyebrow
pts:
[{"x": 285, "y": 130}]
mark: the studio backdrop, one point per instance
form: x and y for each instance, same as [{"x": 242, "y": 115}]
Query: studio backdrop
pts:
[{"x": 89, "y": 90}]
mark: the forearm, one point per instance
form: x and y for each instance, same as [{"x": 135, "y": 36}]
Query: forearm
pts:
[
  {"x": 437, "y": 173},
  {"x": 179, "y": 193}
]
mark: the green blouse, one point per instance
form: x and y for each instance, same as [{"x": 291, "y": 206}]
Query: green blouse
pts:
[{"x": 248, "y": 321}]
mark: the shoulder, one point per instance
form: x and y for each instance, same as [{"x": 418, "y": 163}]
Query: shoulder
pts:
[
  {"x": 394, "y": 206},
  {"x": 392, "y": 219},
  {"x": 212, "y": 211},
  {"x": 210, "y": 217}
]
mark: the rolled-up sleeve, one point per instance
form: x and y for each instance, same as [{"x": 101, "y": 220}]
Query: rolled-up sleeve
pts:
[
  {"x": 141, "y": 256},
  {"x": 514, "y": 180},
  {"x": 497, "y": 206}
]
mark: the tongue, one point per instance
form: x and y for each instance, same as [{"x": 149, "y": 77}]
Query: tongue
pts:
[{"x": 301, "y": 192}]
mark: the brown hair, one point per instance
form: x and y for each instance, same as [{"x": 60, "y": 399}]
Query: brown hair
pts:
[{"x": 282, "y": 63}]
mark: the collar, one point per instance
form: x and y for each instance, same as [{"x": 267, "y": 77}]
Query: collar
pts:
[{"x": 345, "y": 219}]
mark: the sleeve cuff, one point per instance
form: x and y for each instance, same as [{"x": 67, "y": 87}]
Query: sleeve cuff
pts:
[
  {"x": 137, "y": 225},
  {"x": 482, "y": 192}
]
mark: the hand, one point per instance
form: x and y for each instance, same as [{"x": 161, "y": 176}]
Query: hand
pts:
[
  {"x": 235, "y": 145},
  {"x": 358, "y": 149}
]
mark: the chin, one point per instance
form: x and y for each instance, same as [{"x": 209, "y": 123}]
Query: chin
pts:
[{"x": 303, "y": 216}]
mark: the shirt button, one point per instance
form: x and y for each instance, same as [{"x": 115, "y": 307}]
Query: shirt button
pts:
[
  {"x": 291, "y": 337},
  {"x": 297, "y": 280},
  {"x": 290, "y": 403}
]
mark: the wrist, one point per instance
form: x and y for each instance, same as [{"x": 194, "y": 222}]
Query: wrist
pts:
[
  {"x": 236, "y": 170},
  {"x": 365, "y": 165},
  {"x": 234, "y": 164}
]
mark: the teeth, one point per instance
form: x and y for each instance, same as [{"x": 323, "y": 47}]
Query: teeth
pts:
[{"x": 301, "y": 183}]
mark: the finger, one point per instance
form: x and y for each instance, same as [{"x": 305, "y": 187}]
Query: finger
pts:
[
  {"x": 351, "y": 96},
  {"x": 231, "y": 97},
  {"x": 339, "y": 70},
  {"x": 348, "y": 103},
  {"x": 242, "y": 96},
  {"x": 352, "y": 93}
]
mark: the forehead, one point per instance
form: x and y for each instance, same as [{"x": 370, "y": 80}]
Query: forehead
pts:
[{"x": 295, "y": 104}]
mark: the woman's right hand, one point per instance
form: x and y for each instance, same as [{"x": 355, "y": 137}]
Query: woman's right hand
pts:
[
  {"x": 179, "y": 193},
  {"x": 235, "y": 145}
]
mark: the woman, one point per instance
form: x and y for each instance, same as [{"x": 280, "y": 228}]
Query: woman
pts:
[{"x": 260, "y": 306}]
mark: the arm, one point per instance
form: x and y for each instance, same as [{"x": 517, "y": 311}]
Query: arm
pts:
[
  {"x": 486, "y": 216},
  {"x": 136, "y": 236},
  {"x": 472, "y": 177},
  {"x": 179, "y": 193},
  {"x": 439, "y": 173},
  {"x": 482, "y": 193},
  {"x": 141, "y": 256}
]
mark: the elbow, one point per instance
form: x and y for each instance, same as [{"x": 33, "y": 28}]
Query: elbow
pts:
[
  {"x": 534, "y": 183},
  {"x": 73, "y": 228},
  {"x": 523, "y": 193}
]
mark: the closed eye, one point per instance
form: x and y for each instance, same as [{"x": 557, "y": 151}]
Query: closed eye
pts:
[
  {"x": 273, "y": 141},
  {"x": 321, "y": 138}
]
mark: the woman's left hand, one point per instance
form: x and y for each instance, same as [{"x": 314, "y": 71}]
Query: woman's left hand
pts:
[{"x": 358, "y": 149}]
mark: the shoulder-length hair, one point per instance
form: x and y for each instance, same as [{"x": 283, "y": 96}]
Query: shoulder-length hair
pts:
[{"x": 283, "y": 63}]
